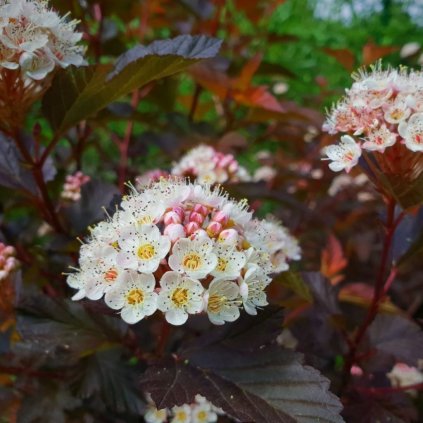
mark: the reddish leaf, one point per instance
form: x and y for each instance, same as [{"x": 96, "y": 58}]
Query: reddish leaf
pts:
[
  {"x": 333, "y": 260},
  {"x": 248, "y": 71},
  {"x": 258, "y": 97},
  {"x": 373, "y": 52},
  {"x": 343, "y": 55}
]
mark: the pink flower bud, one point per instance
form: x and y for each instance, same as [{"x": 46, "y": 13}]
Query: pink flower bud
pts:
[
  {"x": 202, "y": 209},
  {"x": 233, "y": 167},
  {"x": 226, "y": 160},
  {"x": 214, "y": 228},
  {"x": 191, "y": 227},
  {"x": 196, "y": 217},
  {"x": 175, "y": 231},
  {"x": 229, "y": 236},
  {"x": 171, "y": 217},
  {"x": 221, "y": 217},
  {"x": 180, "y": 212},
  {"x": 9, "y": 250}
]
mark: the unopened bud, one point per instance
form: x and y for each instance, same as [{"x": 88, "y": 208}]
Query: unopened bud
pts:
[
  {"x": 175, "y": 231},
  {"x": 191, "y": 227},
  {"x": 180, "y": 212},
  {"x": 171, "y": 217},
  {"x": 214, "y": 228},
  {"x": 229, "y": 236},
  {"x": 196, "y": 217},
  {"x": 202, "y": 209},
  {"x": 221, "y": 217}
]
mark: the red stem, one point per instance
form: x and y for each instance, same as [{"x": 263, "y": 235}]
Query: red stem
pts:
[{"x": 381, "y": 288}]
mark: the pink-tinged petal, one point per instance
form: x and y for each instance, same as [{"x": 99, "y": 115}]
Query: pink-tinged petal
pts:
[{"x": 127, "y": 261}]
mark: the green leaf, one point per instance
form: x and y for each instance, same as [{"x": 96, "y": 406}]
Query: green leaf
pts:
[
  {"x": 78, "y": 93},
  {"x": 295, "y": 283}
]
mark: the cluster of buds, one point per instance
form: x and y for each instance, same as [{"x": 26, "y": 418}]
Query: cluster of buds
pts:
[
  {"x": 8, "y": 261},
  {"x": 381, "y": 115},
  {"x": 209, "y": 166},
  {"x": 34, "y": 40},
  {"x": 72, "y": 186},
  {"x": 182, "y": 248},
  {"x": 201, "y": 411}
]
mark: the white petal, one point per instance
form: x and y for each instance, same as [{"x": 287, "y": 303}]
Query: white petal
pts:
[{"x": 176, "y": 317}]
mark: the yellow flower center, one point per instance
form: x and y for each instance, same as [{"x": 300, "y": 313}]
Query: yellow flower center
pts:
[
  {"x": 180, "y": 296},
  {"x": 181, "y": 415},
  {"x": 115, "y": 245},
  {"x": 397, "y": 114},
  {"x": 202, "y": 416},
  {"x": 111, "y": 275},
  {"x": 192, "y": 261},
  {"x": 146, "y": 252},
  {"x": 215, "y": 303},
  {"x": 145, "y": 220},
  {"x": 135, "y": 296},
  {"x": 222, "y": 264}
]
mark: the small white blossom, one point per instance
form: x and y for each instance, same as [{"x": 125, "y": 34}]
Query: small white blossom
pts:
[
  {"x": 203, "y": 413},
  {"x": 412, "y": 132},
  {"x": 142, "y": 248},
  {"x": 134, "y": 295},
  {"x": 379, "y": 139},
  {"x": 345, "y": 155},
  {"x": 181, "y": 414},
  {"x": 251, "y": 288},
  {"x": 229, "y": 261},
  {"x": 179, "y": 296},
  {"x": 153, "y": 415},
  {"x": 193, "y": 257},
  {"x": 222, "y": 301},
  {"x": 403, "y": 375}
]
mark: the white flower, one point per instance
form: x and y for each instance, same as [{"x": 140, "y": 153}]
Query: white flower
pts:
[
  {"x": 345, "y": 155},
  {"x": 412, "y": 132},
  {"x": 153, "y": 415},
  {"x": 181, "y": 414},
  {"x": 100, "y": 269},
  {"x": 193, "y": 257},
  {"x": 238, "y": 211},
  {"x": 403, "y": 375},
  {"x": 78, "y": 280},
  {"x": 379, "y": 139},
  {"x": 142, "y": 248},
  {"x": 397, "y": 112},
  {"x": 229, "y": 261},
  {"x": 252, "y": 287},
  {"x": 134, "y": 295},
  {"x": 36, "y": 39},
  {"x": 141, "y": 210},
  {"x": 179, "y": 296},
  {"x": 36, "y": 65},
  {"x": 222, "y": 301},
  {"x": 203, "y": 413}
]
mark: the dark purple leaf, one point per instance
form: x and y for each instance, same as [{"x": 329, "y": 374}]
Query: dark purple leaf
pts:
[
  {"x": 88, "y": 210},
  {"x": 173, "y": 382},
  {"x": 396, "y": 337}
]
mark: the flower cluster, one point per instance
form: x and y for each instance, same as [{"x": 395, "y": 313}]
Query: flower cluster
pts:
[
  {"x": 72, "y": 186},
  {"x": 201, "y": 411},
  {"x": 182, "y": 248},
  {"x": 383, "y": 110},
  {"x": 207, "y": 165},
  {"x": 35, "y": 39},
  {"x": 8, "y": 262}
]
